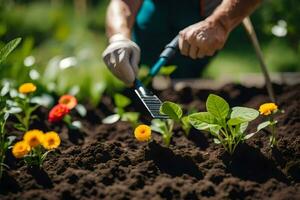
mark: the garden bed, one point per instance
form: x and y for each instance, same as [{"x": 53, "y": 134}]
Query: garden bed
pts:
[{"x": 106, "y": 162}]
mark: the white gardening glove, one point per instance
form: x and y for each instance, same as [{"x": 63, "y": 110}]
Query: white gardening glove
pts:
[{"x": 122, "y": 57}]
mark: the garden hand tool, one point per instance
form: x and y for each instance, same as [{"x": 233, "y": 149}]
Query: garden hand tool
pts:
[{"x": 151, "y": 101}]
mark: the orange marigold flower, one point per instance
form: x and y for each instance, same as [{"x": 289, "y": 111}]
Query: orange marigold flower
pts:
[
  {"x": 68, "y": 100},
  {"x": 51, "y": 140},
  {"x": 142, "y": 133},
  {"x": 268, "y": 108},
  {"x": 27, "y": 88},
  {"x": 58, "y": 112},
  {"x": 20, "y": 149},
  {"x": 33, "y": 137}
]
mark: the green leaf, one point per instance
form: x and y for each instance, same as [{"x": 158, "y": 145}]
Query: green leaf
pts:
[
  {"x": 121, "y": 101},
  {"x": 202, "y": 120},
  {"x": 259, "y": 127},
  {"x": 159, "y": 126},
  {"x": 8, "y": 48},
  {"x": 215, "y": 129},
  {"x": 167, "y": 70},
  {"x": 171, "y": 109},
  {"x": 243, "y": 127},
  {"x": 130, "y": 116},
  {"x": 217, "y": 106},
  {"x": 263, "y": 125},
  {"x": 20, "y": 127},
  {"x": 244, "y": 114},
  {"x": 235, "y": 121}
]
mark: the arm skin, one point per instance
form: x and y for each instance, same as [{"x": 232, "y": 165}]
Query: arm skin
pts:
[
  {"x": 120, "y": 17},
  {"x": 206, "y": 37}
]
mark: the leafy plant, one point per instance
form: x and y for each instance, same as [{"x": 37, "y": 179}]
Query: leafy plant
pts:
[
  {"x": 22, "y": 102},
  {"x": 227, "y": 125},
  {"x": 121, "y": 103},
  {"x": 174, "y": 111},
  {"x": 5, "y": 142},
  {"x": 269, "y": 110},
  {"x": 165, "y": 127}
]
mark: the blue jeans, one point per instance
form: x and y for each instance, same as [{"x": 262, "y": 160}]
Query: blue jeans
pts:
[{"x": 157, "y": 23}]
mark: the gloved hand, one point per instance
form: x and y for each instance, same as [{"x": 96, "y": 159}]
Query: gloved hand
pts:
[{"x": 122, "y": 57}]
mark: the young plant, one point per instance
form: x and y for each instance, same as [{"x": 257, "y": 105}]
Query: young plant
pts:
[
  {"x": 121, "y": 103},
  {"x": 269, "y": 110},
  {"x": 5, "y": 142},
  {"x": 175, "y": 113},
  {"x": 26, "y": 107},
  {"x": 165, "y": 127},
  {"x": 60, "y": 112},
  {"x": 35, "y": 147},
  {"x": 227, "y": 125}
]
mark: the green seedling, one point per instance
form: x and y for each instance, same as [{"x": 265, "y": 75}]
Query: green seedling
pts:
[
  {"x": 5, "y": 142},
  {"x": 174, "y": 111},
  {"x": 269, "y": 110},
  {"x": 36, "y": 157},
  {"x": 165, "y": 127},
  {"x": 121, "y": 103},
  {"x": 23, "y": 111},
  {"x": 227, "y": 125}
]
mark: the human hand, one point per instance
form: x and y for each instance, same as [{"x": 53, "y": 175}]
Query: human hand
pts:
[
  {"x": 202, "y": 39},
  {"x": 122, "y": 57}
]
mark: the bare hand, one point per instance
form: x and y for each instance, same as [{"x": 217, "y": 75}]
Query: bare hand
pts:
[{"x": 202, "y": 39}]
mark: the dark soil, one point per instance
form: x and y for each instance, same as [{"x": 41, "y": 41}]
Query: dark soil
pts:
[{"x": 106, "y": 162}]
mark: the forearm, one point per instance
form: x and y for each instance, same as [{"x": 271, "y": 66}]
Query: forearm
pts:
[
  {"x": 232, "y": 12},
  {"x": 120, "y": 17}
]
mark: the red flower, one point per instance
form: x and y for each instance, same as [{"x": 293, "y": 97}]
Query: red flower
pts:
[
  {"x": 58, "y": 112},
  {"x": 68, "y": 100}
]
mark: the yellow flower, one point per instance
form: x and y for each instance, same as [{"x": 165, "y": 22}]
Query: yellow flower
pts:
[
  {"x": 20, "y": 149},
  {"x": 51, "y": 140},
  {"x": 142, "y": 133},
  {"x": 33, "y": 137},
  {"x": 26, "y": 88},
  {"x": 268, "y": 108}
]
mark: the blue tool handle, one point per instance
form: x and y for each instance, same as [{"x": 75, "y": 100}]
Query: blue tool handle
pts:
[
  {"x": 165, "y": 56},
  {"x": 170, "y": 49}
]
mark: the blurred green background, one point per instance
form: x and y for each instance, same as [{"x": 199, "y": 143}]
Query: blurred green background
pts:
[{"x": 63, "y": 41}]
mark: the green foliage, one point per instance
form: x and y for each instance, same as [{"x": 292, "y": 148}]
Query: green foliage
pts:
[
  {"x": 37, "y": 156},
  {"x": 165, "y": 128},
  {"x": 227, "y": 125},
  {"x": 24, "y": 109},
  {"x": 8, "y": 48},
  {"x": 174, "y": 111},
  {"x": 171, "y": 109},
  {"x": 121, "y": 103},
  {"x": 5, "y": 142}
]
